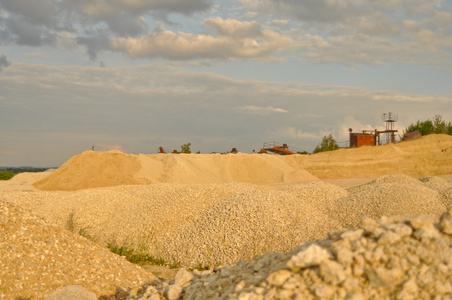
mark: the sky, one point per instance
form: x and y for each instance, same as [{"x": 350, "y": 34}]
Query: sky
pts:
[{"x": 134, "y": 75}]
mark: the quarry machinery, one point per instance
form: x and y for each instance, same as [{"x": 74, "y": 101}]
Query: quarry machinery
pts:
[{"x": 277, "y": 148}]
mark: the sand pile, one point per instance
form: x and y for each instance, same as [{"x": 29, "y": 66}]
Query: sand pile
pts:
[
  {"x": 99, "y": 169},
  {"x": 31, "y": 176},
  {"x": 428, "y": 156},
  {"x": 37, "y": 258}
]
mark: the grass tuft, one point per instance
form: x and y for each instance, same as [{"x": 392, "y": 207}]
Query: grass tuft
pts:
[{"x": 134, "y": 256}]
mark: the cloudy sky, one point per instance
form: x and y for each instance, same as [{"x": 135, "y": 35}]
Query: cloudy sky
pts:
[{"x": 134, "y": 75}]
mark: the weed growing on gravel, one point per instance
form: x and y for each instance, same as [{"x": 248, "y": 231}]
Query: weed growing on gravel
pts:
[{"x": 135, "y": 257}]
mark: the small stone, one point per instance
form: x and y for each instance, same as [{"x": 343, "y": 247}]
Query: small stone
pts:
[
  {"x": 389, "y": 238},
  {"x": 344, "y": 255},
  {"x": 324, "y": 291},
  {"x": 240, "y": 286},
  {"x": 368, "y": 224},
  {"x": 183, "y": 277},
  {"x": 446, "y": 222},
  {"x": 279, "y": 277},
  {"x": 332, "y": 272},
  {"x": 409, "y": 290},
  {"x": 311, "y": 256},
  {"x": 250, "y": 296},
  {"x": 71, "y": 292},
  {"x": 352, "y": 235},
  {"x": 355, "y": 296},
  {"x": 427, "y": 232},
  {"x": 421, "y": 221},
  {"x": 173, "y": 292},
  {"x": 351, "y": 285}
]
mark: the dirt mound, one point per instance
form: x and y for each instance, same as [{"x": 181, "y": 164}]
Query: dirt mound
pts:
[{"x": 37, "y": 258}]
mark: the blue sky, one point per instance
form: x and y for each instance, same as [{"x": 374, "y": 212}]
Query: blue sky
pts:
[{"x": 135, "y": 75}]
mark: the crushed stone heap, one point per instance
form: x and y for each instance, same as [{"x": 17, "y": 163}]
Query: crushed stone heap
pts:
[
  {"x": 396, "y": 257},
  {"x": 392, "y": 258},
  {"x": 37, "y": 258}
]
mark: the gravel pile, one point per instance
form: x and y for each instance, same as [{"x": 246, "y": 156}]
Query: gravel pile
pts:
[
  {"x": 37, "y": 258},
  {"x": 435, "y": 183},
  {"x": 392, "y": 258},
  {"x": 403, "y": 258},
  {"x": 447, "y": 194},
  {"x": 389, "y": 199},
  {"x": 393, "y": 178},
  {"x": 142, "y": 217},
  {"x": 209, "y": 224},
  {"x": 254, "y": 222}
]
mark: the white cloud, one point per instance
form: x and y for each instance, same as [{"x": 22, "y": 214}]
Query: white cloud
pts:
[
  {"x": 357, "y": 126},
  {"x": 293, "y": 133},
  {"x": 236, "y": 40},
  {"x": 108, "y": 147},
  {"x": 141, "y": 107},
  {"x": 261, "y": 110}
]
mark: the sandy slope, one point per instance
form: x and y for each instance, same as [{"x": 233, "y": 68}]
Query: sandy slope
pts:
[{"x": 428, "y": 156}]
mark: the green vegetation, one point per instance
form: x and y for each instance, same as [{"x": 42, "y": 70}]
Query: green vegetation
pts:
[
  {"x": 302, "y": 152},
  {"x": 6, "y": 175},
  {"x": 136, "y": 257},
  {"x": 185, "y": 148},
  {"x": 327, "y": 144},
  {"x": 437, "y": 125}
]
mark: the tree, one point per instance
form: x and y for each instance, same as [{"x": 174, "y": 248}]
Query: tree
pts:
[
  {"x": 328, "y": 143},
  {"x": 185, "y": 148},
  {"x": 438, "y": 125}
]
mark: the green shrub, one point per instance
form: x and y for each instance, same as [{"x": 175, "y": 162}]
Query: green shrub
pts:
[
  {"x": 135, "y": 257},
  {"x": 185, "y": 148},
  {"x": 6, "y": 175}
]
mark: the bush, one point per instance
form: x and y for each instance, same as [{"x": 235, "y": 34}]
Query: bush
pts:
[
  {"x": 6, "y": 175},
  {"x": 185, "y": 148}
]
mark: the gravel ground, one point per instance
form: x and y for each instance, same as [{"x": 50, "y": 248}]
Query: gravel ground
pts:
[
  {"x": 36, "y": 258},
  {"x": 194, "y": 225}
]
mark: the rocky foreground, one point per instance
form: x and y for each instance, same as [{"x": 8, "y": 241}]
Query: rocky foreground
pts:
[{"x": 393, "y": 258}]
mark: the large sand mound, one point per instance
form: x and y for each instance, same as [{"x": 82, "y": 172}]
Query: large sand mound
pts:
[
  {"x": 100, "y": 169},
  {"x": 428, "y": 156}
]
